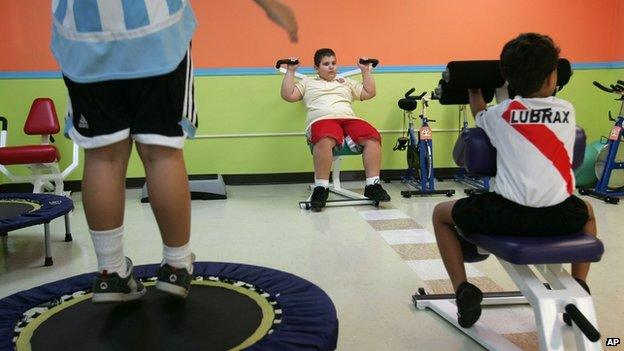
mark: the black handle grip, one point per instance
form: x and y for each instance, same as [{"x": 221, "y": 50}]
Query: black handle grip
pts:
[
  {"x": 372, "y": 61},
  {"x": 584, "y": 325},
  {"x": 4, "y": 123},
  {"x": 409, "y": 92},
  {"x": 421, "y": 95},
  {"x": 602, "y": 87},
  {"x": 286, "y": 62}
]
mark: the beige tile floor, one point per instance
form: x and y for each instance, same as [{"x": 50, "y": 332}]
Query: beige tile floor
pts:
[{"x": 369, "y": 283}]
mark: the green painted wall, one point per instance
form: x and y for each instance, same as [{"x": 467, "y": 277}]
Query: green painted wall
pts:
[{"x": 251, "y": 104}]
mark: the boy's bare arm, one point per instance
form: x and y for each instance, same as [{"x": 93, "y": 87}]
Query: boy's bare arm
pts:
[
  {"x": 477, "y": 103},
  {"x": 289, "y": 92},
  {"x": 282, "y": 15},
  {"x": 369, "y": 90}
]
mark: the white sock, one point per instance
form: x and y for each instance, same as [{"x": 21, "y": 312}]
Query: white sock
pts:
[
  {"x": 179, "y": 257},
  {"x": 321, "y": 182},
  {"x": 108, "y": 245},
  {"x": 372, "y": 180}
]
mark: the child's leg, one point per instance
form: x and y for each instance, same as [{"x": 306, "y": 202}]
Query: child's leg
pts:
[
  {"x": 104, "y": 185},
  {"x": 323, "y": 158},
  {"x": 324, "y": 135},
  {"x": 169, "y": 194},
  {"x": 371, "y": 155},
  {"x": 467, "y": 296},
  {"x": 448, "y": 243},
  {"x": 580, "y": 270},
  {"x": 103, "y": 196},
  {"x": 364, "y": 134}
]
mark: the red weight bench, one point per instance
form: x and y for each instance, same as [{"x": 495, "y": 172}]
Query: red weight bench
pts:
[{"x": 42, "y": 159}]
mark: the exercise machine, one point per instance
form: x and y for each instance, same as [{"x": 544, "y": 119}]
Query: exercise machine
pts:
[
  {"x": 555, "y": 304},
  {"x": 348, "y": 197},
  {"x": 41, "y": 159},
  {"x": 419, "y": 146},
  {"x": 610, "y": 162},
  {"x": 202, "y": 187},
  {"x": 476, "y": 183}
]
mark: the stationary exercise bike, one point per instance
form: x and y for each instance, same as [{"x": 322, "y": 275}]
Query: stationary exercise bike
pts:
[
  {"x": 613, "y": 160},
  {"x": 419, "y": 146}
]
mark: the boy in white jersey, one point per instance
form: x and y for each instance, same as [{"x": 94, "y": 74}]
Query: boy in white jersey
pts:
[
  {"x": 532, "y": 192},
  {"x": 331, "y": 122}
]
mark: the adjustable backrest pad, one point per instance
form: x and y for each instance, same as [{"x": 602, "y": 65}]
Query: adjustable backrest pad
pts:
[
  {"x": 42, "y": 118},
  {"x": 475, "y": 153}
]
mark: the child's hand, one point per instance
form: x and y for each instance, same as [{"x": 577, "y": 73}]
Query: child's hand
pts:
[
  {"x": 364, "y": 67},
  {"x": 293, "y": 66},
  {"x": 282, "y": 15}
]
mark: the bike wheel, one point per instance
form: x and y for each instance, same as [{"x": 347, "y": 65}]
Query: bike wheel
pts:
[{"x": 616, "y": 180}]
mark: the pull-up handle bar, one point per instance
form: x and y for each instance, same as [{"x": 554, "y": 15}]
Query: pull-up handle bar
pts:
[
  {"x": 286, "y": 62},
  {"x": 372, "y": 61},
  {"x": 352, "y": 72}
]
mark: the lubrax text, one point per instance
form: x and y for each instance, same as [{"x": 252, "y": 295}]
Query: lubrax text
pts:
[{"x": 545, "y": 115}]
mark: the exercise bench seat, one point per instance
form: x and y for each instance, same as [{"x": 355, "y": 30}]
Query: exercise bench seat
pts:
[
  {"x": 568, "y": 248},
  {"x": 546, "y": 255},
  {"x": 19, "y": 155}
]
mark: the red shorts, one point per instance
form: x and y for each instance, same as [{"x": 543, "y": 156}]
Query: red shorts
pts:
[{"x": 343, "y": 130}]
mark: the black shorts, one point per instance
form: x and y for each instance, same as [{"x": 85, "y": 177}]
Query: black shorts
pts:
[
  {"x": 491, "y": 213},
  {"x": 158, "y": 110}
]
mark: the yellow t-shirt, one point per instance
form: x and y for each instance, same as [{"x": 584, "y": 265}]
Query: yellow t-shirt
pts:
[{"x": 325, "y": 99}]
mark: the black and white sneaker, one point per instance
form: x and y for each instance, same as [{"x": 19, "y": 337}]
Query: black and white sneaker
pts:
[
  {"x": 376, "y": 192},
  {"x": 468, "y": 299},
  {"x": 174, "y": 281},
  {"x": 319, "y": 198},
  {"x": 110, "y": 287}
]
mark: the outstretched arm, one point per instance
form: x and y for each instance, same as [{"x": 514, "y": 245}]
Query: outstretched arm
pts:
[
  {"x": 282, "y": 15},
  {"x": 289, "y": 92},
  {"x": 368, "y": 91},
  {"x": 477, "y": 103}
]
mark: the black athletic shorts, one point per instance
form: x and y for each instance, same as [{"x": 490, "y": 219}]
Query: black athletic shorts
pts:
[
  {"x": 491, "y": 213},
  {"x": 158, "y": 110}
]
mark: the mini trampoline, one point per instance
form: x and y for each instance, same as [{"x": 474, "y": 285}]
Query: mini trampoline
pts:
[
  {"x": 20, "y": 210},
  {"x": 230, "y": 307}
]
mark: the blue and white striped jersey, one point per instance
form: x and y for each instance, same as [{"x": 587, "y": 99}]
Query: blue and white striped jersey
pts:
[{"x": 98, "y": 40}]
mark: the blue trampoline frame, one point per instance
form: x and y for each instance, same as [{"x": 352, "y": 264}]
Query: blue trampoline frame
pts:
[
  {"x": 308, "y": 320},
  {"x": 52, "y": 206}
]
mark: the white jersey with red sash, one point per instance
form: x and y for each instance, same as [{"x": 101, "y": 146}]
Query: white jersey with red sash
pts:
[{"x": 534, "y": 139}]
